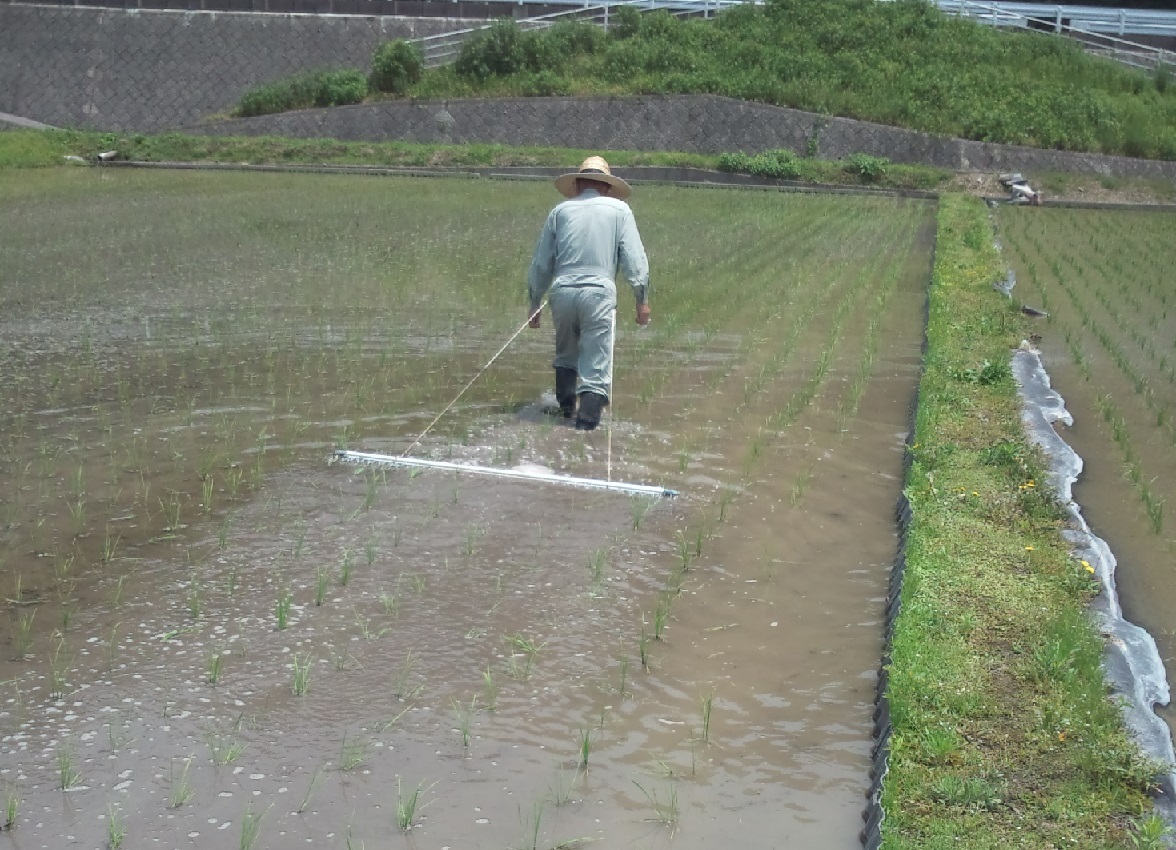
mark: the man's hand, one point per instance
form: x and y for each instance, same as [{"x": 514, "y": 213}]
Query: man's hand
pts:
[
  {"x": 643, "y": 314},
  {"x": 534, "y": 323}
]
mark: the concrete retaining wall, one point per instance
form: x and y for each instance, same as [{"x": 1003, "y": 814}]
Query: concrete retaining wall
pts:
[
  {"x": 692, "y": 123},
  {"x": 144, "y": 70}
]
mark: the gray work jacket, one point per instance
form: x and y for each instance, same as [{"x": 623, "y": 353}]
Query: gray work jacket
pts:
[{"x": 585, "y": 241}]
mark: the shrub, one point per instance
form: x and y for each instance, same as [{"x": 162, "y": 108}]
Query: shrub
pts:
[
  {"x": 301, "y": 91},
  {"x": 544, "y": 84},
  {"x": 504, "y": 49},
  {"x": 338, "y": 88},
  {"x": 297, "y": 92},
  {"x": 1163, "y": 77},
  {"x": 868, "y": 169},
  {"x": 626, "y": 23},
  {"x": 575, "y": 38},
  {"x": 395, "y": 66},
  {"x": 780, "y": 164}
]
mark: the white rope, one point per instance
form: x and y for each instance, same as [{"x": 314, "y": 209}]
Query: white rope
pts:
[
  {"x": 612, "y": 338},
  {"x": 489, "y": 363}
]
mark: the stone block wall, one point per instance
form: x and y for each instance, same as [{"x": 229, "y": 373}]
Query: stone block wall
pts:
[{"x": 150, "y": 70}]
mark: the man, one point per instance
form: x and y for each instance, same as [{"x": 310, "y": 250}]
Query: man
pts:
[{"x": 585, "y": 240}]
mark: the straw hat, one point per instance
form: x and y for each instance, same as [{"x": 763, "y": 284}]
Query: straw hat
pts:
[{"x": 593, "y": 168}]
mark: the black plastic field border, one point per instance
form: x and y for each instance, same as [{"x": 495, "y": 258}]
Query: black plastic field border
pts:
[{"x": 637, "y": 175}]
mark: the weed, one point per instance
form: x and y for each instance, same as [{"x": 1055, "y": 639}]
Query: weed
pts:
[
  {"x": 11, "y": 808},
  {"x": 489, "y": 689},
  {"x": 223, "y": 750},
  {"x": 400, "y": 682},
  {"x": 1149, "y": 833}
]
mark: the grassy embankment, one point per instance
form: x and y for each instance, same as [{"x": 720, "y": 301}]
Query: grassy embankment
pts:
[
  {"x": 1004, "y": 735},
  {"x": 42, "y": 148},
  {"x": 904, "y": 64}
]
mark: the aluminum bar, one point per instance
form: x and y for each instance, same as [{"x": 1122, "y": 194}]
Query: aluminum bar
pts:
[{"x": 516, "y": 474}]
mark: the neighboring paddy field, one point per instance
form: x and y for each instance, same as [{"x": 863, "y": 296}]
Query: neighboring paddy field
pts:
[
  {"x": 213, "y": 634},
  {"x": 1109, "y": 344}
]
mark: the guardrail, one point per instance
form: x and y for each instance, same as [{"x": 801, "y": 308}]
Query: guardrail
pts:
[{"x": 441, "y": 49}]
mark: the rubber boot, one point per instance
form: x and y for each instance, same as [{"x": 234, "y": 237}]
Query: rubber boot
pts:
[
  {"x": 591, "y": 406},
  {"x": 565, "y": 390}
]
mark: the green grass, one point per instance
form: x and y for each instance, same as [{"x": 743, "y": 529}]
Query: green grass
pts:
[
  {"x": 1003, "y": 733},
  {"x": 46, "y": 148}
]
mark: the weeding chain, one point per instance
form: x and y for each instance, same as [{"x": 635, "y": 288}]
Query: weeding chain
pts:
[{"x": 489, "y": 363}]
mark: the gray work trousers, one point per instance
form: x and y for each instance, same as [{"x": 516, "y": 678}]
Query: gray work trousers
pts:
[{"x": 584, "y": 326}]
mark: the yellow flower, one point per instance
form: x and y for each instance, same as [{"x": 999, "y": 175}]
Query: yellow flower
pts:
[
  {"x": 1087, "y": 567},
  {"x": 1061, "y": 736},
  {"x": 1028, "y": 548}
]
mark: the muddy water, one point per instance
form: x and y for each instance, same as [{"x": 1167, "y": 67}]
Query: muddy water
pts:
[
  {"x": 1109, "y": 267},
  {"x": 543, "y": 664}
]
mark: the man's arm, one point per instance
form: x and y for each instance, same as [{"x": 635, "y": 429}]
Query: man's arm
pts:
[
  {"x": 542, "y": 268},
  {"x": 634, "y": 265}
]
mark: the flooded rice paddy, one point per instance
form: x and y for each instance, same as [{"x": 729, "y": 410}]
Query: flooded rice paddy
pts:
[
  {"x": 1109, "y": 344},
  {"x": 214, "y": 638}
]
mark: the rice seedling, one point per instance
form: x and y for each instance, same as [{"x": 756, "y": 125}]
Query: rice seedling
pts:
[
  {"x": 222, "y": 534},
  {"x": 59, "y": 664},
  {"x": 352, "y": 753},
  {"x": 531, "y": 826},
  {"x": 661, "y": 615},
  {"x": 171, "y": 511},
  {"x": 345, "y": 569},
  {"x": 622, "y": 687},
  {"x": 639, "y": 506},
  {"x": 707, "y": 702},
  {"x": 407, "y": 805},
  {"x": 116, "y": 827},
  {"x": 213, "y": 665},
  {"x": 11, "y": 809},
  {"x": 109, "y": 547},
  {"x": 180, "y": 788},
  {"x": 365, "y": 628},
  {"x": 665, "y": 809},
  {"x": 282, "y": 610},
  {"x": 207, "y": 487},
  {"x": 222, "y": 749},
  {"x": 685, "y": 550},
  {"x": 311, "y": 787},
  {"x": 322, "y": 579},
  {"x": 401, "y": 687},
  {"x": 300, "y": 682},
  {"x": 463, "y": 713},
  {"x": 585, "y": 746},
  {"x": 561, "y": 790},
  {"x": 643, "y": 647},
  {"x": 489, "y": 690},
  {"x": 369, "y": 551},
  {"x": 23, "y": 639},
  {"x": 68, "y": 775},
  {"x": 470, "y": 545},
  {"x": 195, "y": 599},
  {"x": 390, "y": 603},
  {"x": 250, "y": 827}
]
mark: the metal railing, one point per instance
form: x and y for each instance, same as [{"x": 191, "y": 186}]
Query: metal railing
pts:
[{"x": 444, "y": 48}]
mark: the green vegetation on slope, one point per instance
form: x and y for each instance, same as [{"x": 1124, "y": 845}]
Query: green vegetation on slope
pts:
[
  {"x": 1004, "y": 734},
  {"x": 42, "y": 148},
  {"x": 904, "y": 63}
]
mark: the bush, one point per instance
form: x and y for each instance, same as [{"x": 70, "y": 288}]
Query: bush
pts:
[
  {"x": 312, "y": 88},
  {"x": 780, "y": 164},
  {"x": 544, "y": 84},
  {"x": 503, "y": 50},
  {"x": 338, "y": 88},
  {"x": 868, "y": 169},
  {"x": 626, "y": 23},
  {"x": 575, "y": 38},
  {"x": 396, "y": 65}
]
